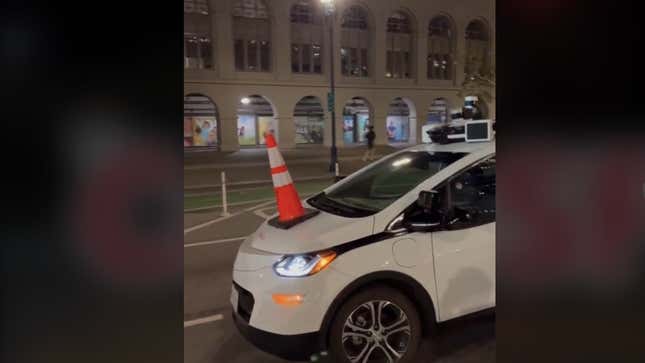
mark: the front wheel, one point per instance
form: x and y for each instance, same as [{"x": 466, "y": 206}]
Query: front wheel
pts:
[{"x": 378, "y": 324}]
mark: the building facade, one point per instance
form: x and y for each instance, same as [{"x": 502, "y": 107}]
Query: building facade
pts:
[{"x": 264, "y": 65}]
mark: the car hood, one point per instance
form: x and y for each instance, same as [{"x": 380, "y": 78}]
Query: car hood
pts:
[{"x": 320, "y": 232}]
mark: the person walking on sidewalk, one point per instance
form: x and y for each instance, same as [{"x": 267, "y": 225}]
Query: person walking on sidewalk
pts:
[{"x": 370, "y": 136}]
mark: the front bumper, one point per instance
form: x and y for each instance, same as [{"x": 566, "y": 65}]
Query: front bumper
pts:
[{"x": 290, "y": 347}]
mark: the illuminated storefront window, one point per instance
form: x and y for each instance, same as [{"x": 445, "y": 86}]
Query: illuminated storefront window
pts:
[
  {"x": 356, "y": 118},
  {"x": 254, "y": 118},
  {"x": 200, "y": 122},
  {"x": 309, "y": 121}
]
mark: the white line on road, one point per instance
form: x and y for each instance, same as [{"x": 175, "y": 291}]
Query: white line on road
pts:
[
  {"x": 206, "y": 224},
  {"x": 218, "y": 206},
  {"x": 260, "y": 213},
  {"x": 205, "y": 243},
  {"x": 204, "y": 320}
]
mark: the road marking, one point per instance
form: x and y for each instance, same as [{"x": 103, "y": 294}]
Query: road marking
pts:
[
  {"x": 204, "y": 320},
  {"x": 205, "y": 243},
  {"x": 260, "y": 213},
  {"x": 217, "y": 206},
  {"x": 206, "y": 224}
]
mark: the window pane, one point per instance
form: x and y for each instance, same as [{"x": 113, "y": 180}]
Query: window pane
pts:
[
  {"x": 406, "y": 65},
  {"x": 443, "y": 67},
  {"x": 306, "y": 58},
  {"x": 265, "y": 55},
  {"x": 353, "y": 61},
  {"x": 344, "y": 61},
  {"x": 317, "y": 58},
  {"x": 448, "y": 68},
  {"x": 397, "y": 64},
  {"x": 473, "y": 195},
  {"x": 301, "y": 12},
  {"x": 239, "y": 55},
  {"x": 295, "y": 58},
  {"x": 191, "y": 47},
  {"x": 355, "y": 17},
  {"x": 389, "y": 71},
  {"x": 398, "y": 23},
  {"x": 252, "y": 55},
  {"x": 205, "y": 52},
  {"x": 250, "y": 9},
  {"x": 364, "y": 63}
]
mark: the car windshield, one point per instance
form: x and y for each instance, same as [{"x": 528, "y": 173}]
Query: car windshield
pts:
[{"x": 379, "y": 186}]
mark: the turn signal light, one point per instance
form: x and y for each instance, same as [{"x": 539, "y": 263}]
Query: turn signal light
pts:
[{"x": 288, "y": 300}]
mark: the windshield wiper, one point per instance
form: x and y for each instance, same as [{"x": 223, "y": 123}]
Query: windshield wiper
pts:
[
  {"x": 358, "y": 205},
  {"x": 322, "y": 201}
]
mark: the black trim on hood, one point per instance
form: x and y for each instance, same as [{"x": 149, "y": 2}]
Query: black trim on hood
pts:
[{"x": 364, "y": 241}]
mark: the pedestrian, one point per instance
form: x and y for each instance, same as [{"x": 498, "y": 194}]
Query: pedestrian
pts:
[{"x": 370, "y": 136}]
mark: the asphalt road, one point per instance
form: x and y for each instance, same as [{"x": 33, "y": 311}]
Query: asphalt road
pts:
[{"x": 210, "y": 248}]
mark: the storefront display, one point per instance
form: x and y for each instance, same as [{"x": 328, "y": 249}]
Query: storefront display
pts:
[
  {"x": 266, "y": 124},
  {"x": 246, "y": 129},
  {"x": 397, "y": 128},
  {"x": 363, "y": 120},
  {"x": 200, "y": 131},
  {"x": 309, "y": 129},
  {"x": 438, "y": 112},
  {"x": 188, "y": 131},
  {"x": 348, "y": 129},
  {"x": 437, "y": 116}
]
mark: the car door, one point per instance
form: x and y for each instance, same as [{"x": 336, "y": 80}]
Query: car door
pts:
[{"x": 464, "y": 247}]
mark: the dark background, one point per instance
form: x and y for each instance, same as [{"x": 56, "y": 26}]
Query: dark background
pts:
[
  {"x": 571, "y": 179},
  {"x": 91, "y": 105},
  {"x": 92, "y": 253}
]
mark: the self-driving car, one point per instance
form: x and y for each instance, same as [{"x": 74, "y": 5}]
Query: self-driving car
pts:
[{"x": 393, "y": 249}]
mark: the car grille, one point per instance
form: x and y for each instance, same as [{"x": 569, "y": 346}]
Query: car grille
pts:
[{"x": 245, "y": 302}]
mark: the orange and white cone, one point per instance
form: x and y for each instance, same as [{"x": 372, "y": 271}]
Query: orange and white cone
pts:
[{"x": 289, "y": 206}]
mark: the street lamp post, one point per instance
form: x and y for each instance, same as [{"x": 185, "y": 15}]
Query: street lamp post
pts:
[{"x": 329, "y": 15}]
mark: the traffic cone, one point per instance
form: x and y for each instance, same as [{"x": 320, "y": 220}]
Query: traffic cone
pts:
[{"x": 289, "y": 206}]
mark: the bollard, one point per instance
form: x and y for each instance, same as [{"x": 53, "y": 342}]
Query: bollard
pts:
[
  {"x": 224, "y": 201},
  {"x": 337, "y": 170}
]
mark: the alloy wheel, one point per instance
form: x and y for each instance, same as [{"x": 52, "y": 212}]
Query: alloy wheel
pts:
[{"x": 376, "y": 331}]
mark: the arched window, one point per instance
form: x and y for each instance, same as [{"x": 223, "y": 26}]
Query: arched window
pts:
[
  {"x": 400, "y": 43},
  {"x": 306, "y": 37},
  {"x": 440, "y": 48},
  {"x": 477, "y": 49},
  {"x": 356, "y": 119},
  {"x": 398, "y": 125},
  {"x": 200, "y": 121},
  {"x": 255, "y": 117},
  {"x": 252, "y": 36},
  {"x": 309, "y": 119},
  {"x": 198, "y": 50},
  {"x": 354, "y": 42}
]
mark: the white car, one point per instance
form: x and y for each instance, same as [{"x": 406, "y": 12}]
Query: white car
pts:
[{"x": 398, "y": 246}]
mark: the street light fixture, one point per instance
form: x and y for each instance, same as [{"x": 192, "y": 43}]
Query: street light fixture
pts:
[
  {"x": 245, "y": 100},
  {"x": 329, "y": 8}
]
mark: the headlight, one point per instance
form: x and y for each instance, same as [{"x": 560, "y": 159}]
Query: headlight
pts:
[{"x": 303, "y": 265}]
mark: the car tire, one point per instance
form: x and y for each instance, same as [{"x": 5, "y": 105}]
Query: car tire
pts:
[{"x": 347, "y": 345}]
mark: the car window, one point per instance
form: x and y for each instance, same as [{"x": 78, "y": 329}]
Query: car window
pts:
[
  {"x": 472, "y": 196},
  {"x": 388, "y": 180}
]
